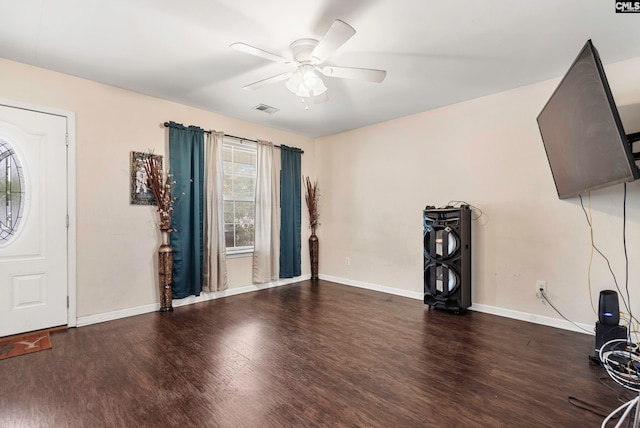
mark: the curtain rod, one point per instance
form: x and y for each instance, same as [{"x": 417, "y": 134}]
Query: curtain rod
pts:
[{"x": 166, "y": 125}]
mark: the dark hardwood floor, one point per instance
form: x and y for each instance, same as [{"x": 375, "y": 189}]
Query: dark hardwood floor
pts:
[{"x": 306, "y": 355}]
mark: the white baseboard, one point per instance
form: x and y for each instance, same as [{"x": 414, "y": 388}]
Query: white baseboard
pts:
[
  {"x": 374, "y": 287},
  {"x": 534, "y": 318},
  {"x": 114, "y": 315},
  {"x": 203, "y": 297},
  {"x": 507, "y": 313}
]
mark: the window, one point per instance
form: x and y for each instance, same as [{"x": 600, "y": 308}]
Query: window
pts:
[
  {"x": 239, "y": 195},
  {"x": 11, "y": 192}
]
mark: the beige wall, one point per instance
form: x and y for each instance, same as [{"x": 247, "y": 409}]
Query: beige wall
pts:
[
  {"x": 116, "y": 241},
  {"x": 376, "y": 181}
]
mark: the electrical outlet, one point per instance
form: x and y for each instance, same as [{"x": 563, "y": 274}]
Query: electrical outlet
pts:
[
  {"x": 541, "y": 286},
  {"x": 347, "y": 261}
]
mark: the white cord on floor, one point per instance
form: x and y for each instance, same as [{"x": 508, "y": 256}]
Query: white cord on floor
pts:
[
  {"x": 621, "y": 359},
  {"x": 629, "y": 406}
]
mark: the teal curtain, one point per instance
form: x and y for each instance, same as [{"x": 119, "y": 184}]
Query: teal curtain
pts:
[
  {"x": 291, "y": 214},
  {"x": 186, "y": 160}
]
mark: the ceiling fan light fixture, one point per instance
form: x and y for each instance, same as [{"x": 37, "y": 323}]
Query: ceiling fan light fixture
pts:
[
  {"x": 309, "y": 77},
  {"x": 305, "y": 82},
  {"x": 294, "y": 82},
  {"x": 309, "y": 94},
  {"x": 319, "y": 89}
]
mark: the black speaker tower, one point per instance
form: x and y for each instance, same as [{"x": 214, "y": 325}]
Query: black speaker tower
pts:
[{"x": 447, "y": 257}]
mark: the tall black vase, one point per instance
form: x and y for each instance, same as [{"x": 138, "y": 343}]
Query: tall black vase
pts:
[
  {"x": 165, "y": 271},
  {"x": 313, "y": 254}
]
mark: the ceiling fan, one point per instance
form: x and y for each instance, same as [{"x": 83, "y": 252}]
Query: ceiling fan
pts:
[{"x": 308, "y": 56}]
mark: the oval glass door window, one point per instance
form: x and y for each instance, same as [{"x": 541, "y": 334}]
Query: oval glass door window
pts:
[{"x": 11, "y": 192}]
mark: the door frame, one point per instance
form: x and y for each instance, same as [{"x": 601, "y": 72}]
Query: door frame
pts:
[{"x": 71, "y": 196}]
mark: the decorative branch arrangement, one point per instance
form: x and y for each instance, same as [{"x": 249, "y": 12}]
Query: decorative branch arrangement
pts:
[
  {"x": 160, "y": 185},
  {"x": 312, "y": 198}
]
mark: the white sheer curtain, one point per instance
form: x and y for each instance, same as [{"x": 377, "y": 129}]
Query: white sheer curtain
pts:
[
  {"x": 214, "y": 276},
  {"x": 266, "y": 247}
]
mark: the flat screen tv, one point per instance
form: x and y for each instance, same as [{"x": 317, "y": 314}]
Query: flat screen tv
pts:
[{"x": 582, "y": 133}]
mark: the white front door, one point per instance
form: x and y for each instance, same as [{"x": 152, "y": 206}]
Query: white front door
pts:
[{"x": 33, "y": 220}]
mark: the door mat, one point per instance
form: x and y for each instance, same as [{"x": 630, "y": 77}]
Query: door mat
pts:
[{"x": 24, "y": 344}]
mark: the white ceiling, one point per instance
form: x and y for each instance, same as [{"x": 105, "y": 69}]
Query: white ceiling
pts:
[{"x": 435, "y": 52}]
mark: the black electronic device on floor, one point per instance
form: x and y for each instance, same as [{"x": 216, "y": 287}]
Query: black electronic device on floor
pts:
[
  {"x": 447, "y": 257},
  {"x": 607, "y": 326},
  {"x": 608, "y": 308}
]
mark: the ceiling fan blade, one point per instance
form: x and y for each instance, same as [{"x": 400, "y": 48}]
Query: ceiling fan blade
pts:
[
  {"x": 336, "y": 36},
  {"x": 366, "y": 74},
  {"x": 252, "y": 50},
  {"x": 268, "y": 81}
]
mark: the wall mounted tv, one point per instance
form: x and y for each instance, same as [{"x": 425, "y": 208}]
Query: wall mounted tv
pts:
[{"x": 582, "y": 133}]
